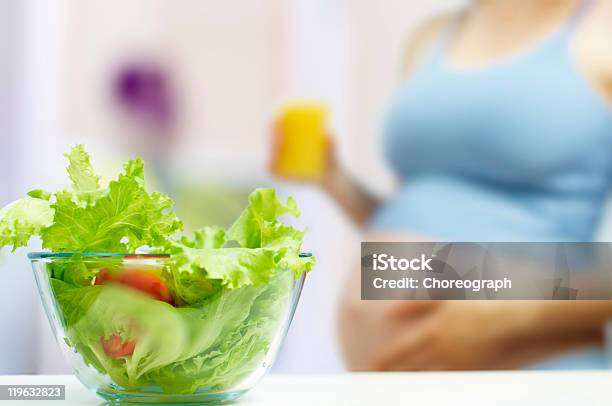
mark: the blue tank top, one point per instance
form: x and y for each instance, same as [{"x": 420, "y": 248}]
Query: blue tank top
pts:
[{"x": 520, "y": 150}]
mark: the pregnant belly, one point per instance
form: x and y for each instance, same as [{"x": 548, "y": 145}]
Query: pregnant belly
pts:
[
  {"x": 455, "y": 209},
  {"x": 364, "y": 326}
]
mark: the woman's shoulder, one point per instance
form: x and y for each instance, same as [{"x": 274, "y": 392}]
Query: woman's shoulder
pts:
[
  {"x": 591, "y": 44},
  {"x": 423, "y": 37}
]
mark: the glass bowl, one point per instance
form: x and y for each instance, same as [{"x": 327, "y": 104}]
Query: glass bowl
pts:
[{"x": 127, "y": 340}]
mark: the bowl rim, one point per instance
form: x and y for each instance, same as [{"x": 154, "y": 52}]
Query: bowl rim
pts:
[{"x": 50, "y": 255}]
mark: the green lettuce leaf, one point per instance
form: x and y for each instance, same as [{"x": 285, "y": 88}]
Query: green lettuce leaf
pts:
[
  {"x": 213, "y": 345},
  {"x": 253, "y": 227},
  {"x": 206, "y": 237},
  {"x": 233, "y": 267},
  {"x": 122, "y": 220},
  {"x": 23, "y": 219},
  {"x": 74, "y": 301},
  {"x": 39, "y": 194},
  {"x": 245, "y": 322},
  {"x": 97, "y": 312},
  {"x": 85, "y": 183},
  {"x": 78, "y": 271},
  {"x": 231, "y": 288},
  {"x": 203, "y": 263},
  {"x": 259, "y": 226}
]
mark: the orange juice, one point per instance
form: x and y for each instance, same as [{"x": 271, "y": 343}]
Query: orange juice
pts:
[{"x": 302, "y": 141}]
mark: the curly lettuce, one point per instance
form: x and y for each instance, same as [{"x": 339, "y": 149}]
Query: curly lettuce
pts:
[
  {"x": 230, "y": 288},
  {"x": 24, "y": 219}
]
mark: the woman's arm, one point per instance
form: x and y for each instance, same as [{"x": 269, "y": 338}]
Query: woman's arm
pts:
[
  {"x": 591, "y": 51},
  {"x": 442, "y": 335},
  {"x": 489, "y": 334},
  {"x": 355, "y": 200},
  {"x": 548, "y": 319}
]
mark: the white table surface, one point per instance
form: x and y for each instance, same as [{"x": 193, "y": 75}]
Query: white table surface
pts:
[{"x": 415, "y": 388}]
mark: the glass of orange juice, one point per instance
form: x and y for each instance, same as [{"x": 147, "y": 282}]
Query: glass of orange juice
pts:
[{"x": 301, "y": 140}]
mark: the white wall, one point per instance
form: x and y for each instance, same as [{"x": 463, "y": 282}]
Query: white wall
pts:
[
  {"x": 27, "y": 136},
  {"x": 19, "y": 312},
  {"x": 378, "y": 34}
]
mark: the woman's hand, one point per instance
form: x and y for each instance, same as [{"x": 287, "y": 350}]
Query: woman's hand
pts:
[
  {"x": 443, "y": 335},
  {"x": 439, "y": 335},
  {"x": 472, "y": 335},
  {"x": 357, "y": 202}
]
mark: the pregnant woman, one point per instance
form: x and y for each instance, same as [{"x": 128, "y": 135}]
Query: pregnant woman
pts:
[{"x": 501, "y": 131}]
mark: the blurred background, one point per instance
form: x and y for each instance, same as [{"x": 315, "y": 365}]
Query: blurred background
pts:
[{"x": 193, "y": 87}]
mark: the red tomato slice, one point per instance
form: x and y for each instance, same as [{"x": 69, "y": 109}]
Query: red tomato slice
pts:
[
  {"x": 138, "y": 279},
  {"x": 143, "y": 281},
  {"x": 103, "y": 277},
  {"x": 115, "y": 348}
]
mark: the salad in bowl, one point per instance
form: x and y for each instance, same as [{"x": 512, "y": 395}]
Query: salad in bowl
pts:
[{"x": 145, "y": 313}]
